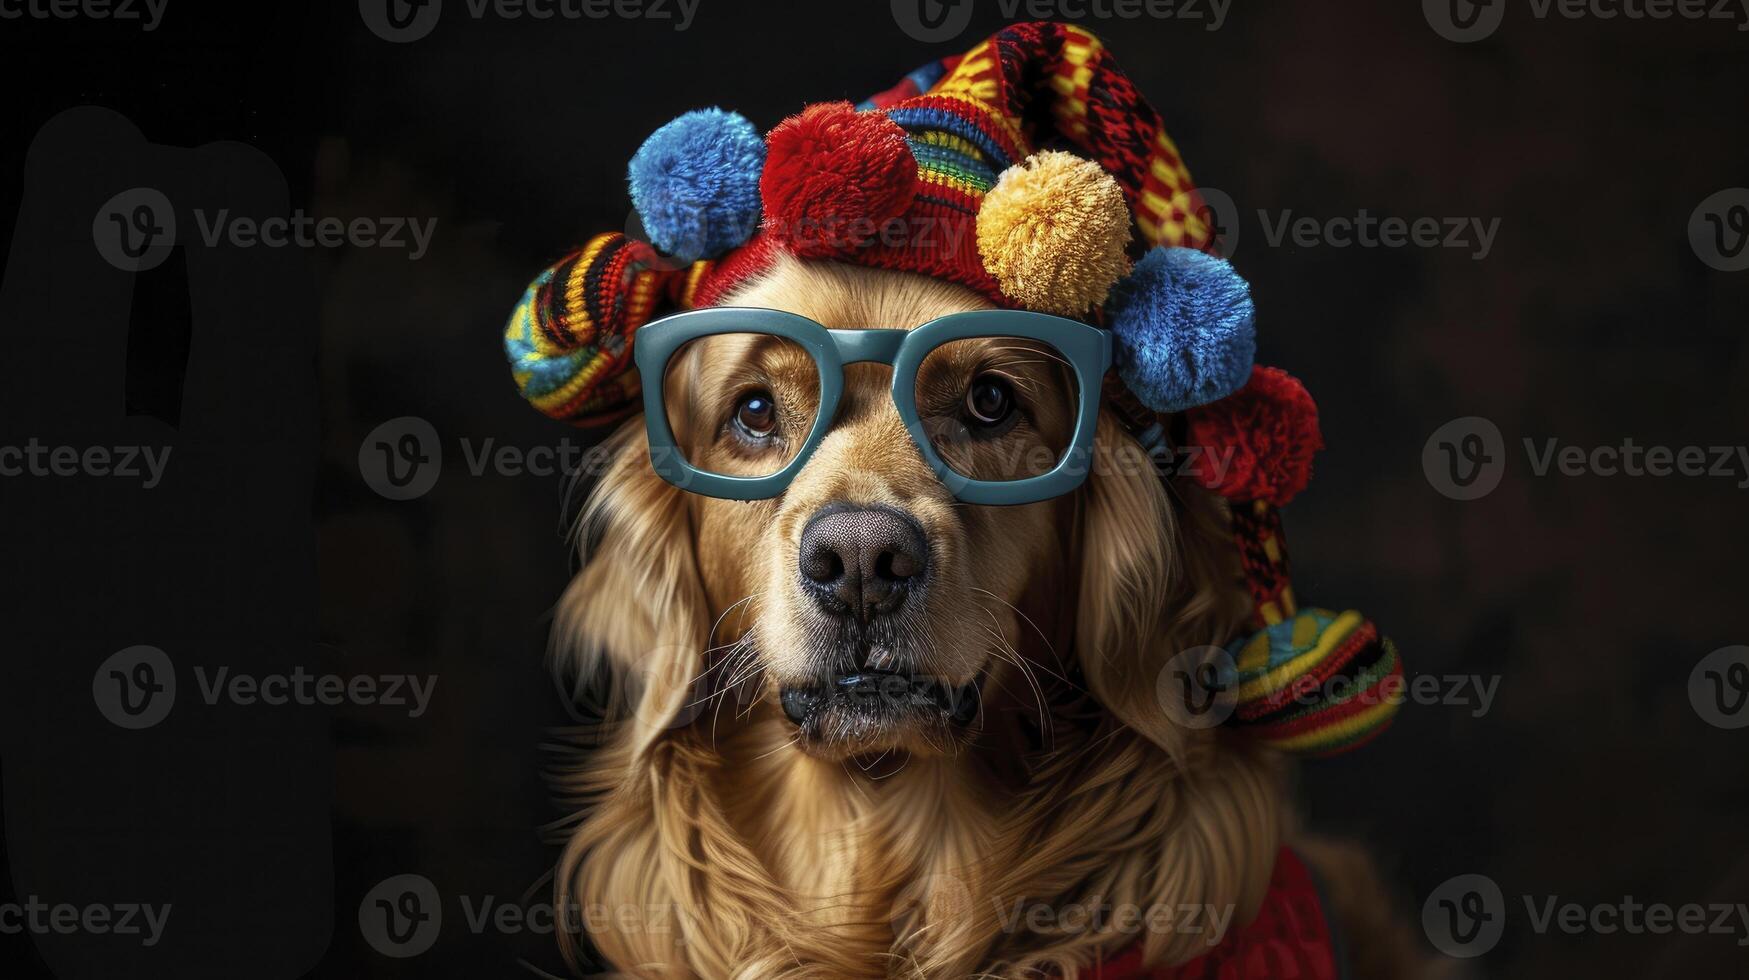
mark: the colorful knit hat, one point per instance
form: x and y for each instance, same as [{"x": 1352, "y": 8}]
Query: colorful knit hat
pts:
[{"x": 1031, "y": 171}]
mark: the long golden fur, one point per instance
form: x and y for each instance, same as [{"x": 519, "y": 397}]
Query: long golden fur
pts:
[{"x": 705, "y": 843}]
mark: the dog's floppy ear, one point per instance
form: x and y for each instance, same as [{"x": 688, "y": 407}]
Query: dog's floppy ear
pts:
[
  {"x": 632, "y": 625},
  {"x": 1157, "y": 579}
]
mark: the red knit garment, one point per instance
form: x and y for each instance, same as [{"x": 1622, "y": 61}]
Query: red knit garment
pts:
[{"x": 1289, "y": 938}]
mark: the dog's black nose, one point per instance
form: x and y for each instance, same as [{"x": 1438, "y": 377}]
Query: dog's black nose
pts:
[{"x": 863, "y": 562}]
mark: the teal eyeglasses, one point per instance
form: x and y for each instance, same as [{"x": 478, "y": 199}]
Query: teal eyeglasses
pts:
[{"x": 1001, "y": 404}]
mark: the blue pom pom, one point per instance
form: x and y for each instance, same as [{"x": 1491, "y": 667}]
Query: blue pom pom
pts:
[
  {"x": 695, "y": 183},
  {"x": 1183, "y": 322}
]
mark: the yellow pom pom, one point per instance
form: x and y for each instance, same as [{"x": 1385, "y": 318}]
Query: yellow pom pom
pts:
[{"x": 1053, "y": 231}]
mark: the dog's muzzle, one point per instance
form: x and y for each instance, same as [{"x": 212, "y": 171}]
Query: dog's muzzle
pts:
[{"x": 869, "y": 701}]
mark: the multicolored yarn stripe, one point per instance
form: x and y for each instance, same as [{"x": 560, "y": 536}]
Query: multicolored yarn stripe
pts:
[
  {"x": 1263, "y": 557},
  {"x": 1317, "y": 683},
  {"x": 569, "y": 338}
]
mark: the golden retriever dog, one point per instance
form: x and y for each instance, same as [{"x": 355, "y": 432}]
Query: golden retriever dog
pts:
[{"x": 740, "y": 811}]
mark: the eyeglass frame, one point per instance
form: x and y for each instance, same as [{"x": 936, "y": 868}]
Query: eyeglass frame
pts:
[{"x": 1088, "y": 350}]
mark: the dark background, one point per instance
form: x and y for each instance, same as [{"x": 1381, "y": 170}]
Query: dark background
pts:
[{"x": 1590, "y": 598}]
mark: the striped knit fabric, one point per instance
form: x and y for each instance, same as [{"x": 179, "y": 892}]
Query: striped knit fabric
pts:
[
  {"x": 1046, "y": 86},
  {"x": 1263, "y": 557},
  {"x": 1029, "y": 87},
  {"x": 1317, "y": 683},
  {"x": 569, "y": 338}
]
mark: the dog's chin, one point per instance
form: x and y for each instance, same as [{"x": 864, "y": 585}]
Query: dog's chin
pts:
[{"x": 873, "y": 713}]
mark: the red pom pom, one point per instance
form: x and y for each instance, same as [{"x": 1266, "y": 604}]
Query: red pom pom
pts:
[
  {"x": 834, "y": 177},
  {"x": 1257, "y": 443}
]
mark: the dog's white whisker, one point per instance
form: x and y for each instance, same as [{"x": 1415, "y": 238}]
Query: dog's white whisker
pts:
[
  {"x": 1008, "y": 654},
  {"x": 1061, "y": 672},
  {"x": 731, "y": 608},
  {"x": 1046, "y": 727}
]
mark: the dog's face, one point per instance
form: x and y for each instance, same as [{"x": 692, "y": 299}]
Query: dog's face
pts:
[
  {"x": 864, "y": 612},
  {"x": 871, "y": 607}
]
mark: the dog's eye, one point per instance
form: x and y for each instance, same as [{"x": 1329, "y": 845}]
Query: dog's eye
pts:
[
  {"x": 989, "y": 401},
  {"x": 756, "y": 414}
]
